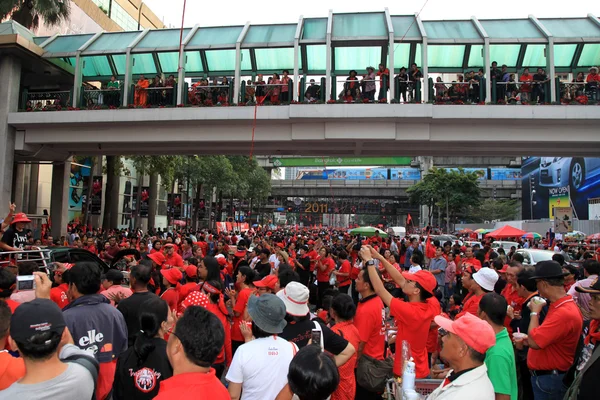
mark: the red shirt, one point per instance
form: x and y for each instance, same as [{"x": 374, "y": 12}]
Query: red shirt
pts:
[
  {"x": 193, "y": 385},
  {"x": 313, "y": 255},
  {"x": 344, "y": 281},
  {"x": 184, "y": 290},
  {"x": 526, "y": 78},
  {"x": 346, "y": 389},
  {"x": 513, "y": 300},
  {"x": 413, "y": 321},
  {"x": 240, "y": 305},
  {"x": 369, "y": 320},
  {"x": 12, "y": 304},
  {"x": 557, "y": 337},
  {"x": 59, "y": 295},
  {"x": 171, "y": 296},
  {"x": 323, "y": 276},
  {"x": 470, "y": 306},
  {"x": 432, "y": 338},
  {"x": 174, "y": 260}
]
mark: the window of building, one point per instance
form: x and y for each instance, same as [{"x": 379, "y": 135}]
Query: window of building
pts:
[{"x": 122, "y": 18}]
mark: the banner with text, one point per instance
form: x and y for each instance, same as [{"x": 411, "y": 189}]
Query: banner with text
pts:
[{"x": 340, "y": 161}]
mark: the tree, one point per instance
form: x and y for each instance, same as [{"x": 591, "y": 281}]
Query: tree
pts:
[
  {"x": 490, "y": 209},
  {"x": 31, "y": 13},
  {"x": 453, "y": 190}
]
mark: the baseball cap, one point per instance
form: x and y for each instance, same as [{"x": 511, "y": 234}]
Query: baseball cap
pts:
[
  {"x": 158, "y": 257},
  {"x": 280, "y": 245},
  {"x": 310, "y": 242},
  {"x": 295, "y": 297},
  {"x": 504, "y": 268},
  {"x": 113, "y": 275},
  {"x": 486, "y": 278},
  {"x": 267, "y": 312},
  {"x": 268, "y": 281},
  {"x": 222, "y": 261},
  {"x": 172, "y": 275},
  {"x": 191, "y": 271},
  {"x": 594, "y": 288},
  {"x": 475, "y": 332},
  {"x": 423, "y": 278},
  {"x": 35, "y": 317}
]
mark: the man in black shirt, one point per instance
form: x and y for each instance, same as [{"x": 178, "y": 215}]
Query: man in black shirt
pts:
[
  {"x": 263, "y": 268},
  {"x": 303, "y": 265},
  {"x": 539, "y": 79},
  {"x": 139, "y": 276},
  {"x": 15, "y": 237},
  {"x": 312, "y": 92}
]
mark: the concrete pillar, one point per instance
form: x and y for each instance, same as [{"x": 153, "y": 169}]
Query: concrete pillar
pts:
[
  {"x": 34, "y": 177},
  {"x": 10, "y": 71},
  {"x": 59, "y": 198},
  {"x": 153, "y": 201},
  {"x": 20, "y": 186},
  {"x": 426, "y": 164}
]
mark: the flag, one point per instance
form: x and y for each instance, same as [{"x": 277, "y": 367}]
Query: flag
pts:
[{"x": 408, "y": 219}]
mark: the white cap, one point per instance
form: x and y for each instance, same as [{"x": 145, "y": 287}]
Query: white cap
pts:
[
  {"x": 295, "y": 297},
  {"x": 486, "y": 278}
]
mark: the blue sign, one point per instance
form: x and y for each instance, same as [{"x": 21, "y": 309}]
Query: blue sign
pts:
[
  {"x": 505, "y": 174},
  {"x": 405, "y": 174}
]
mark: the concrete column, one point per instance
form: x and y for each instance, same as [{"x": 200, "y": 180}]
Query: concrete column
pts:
[
  {"x": 10, "y": 71},
  {"x": 153, "y": 201},
  {"x": 59, "y": 198},
  {"x": 34, "y": 178},
  {"x": 20, "y": 186},
  {"x": 426, "y": 164}
]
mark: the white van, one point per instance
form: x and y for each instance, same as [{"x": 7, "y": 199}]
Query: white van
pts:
[{"x": 397, "y": 231}]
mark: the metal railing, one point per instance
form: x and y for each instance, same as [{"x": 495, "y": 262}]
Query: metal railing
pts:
[
  {"x": 201, "y": 93},
  {"x": 580, "y": 92},
  {"x": 354, "y": 90},
  {"x": 91, "y": 98},
  {"x": 520, "y": 92},
  {"x": 36, "y": 254},
  {"x": 153, "y": 96},
  {"x": 406, "y": 91},
  {"x": 54, "y": 100},
  {"x": 472, "y": 90},
  {"x": 268, "y": 90}
]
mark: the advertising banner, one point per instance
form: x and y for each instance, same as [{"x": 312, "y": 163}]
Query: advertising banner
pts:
[
  {"x": 174, "y": 205},
  {"x": 405, "y": 174},
  {"x": 344, "y": 174},
  {"x": 339, "y": 161},
  {"x": 557, "y": 198},
  {"x": 78, "y": 184},
  {"x": 96, "y": 200},
  {"x": 505, "y": 174},
  {"x": 144, "y": 200},
  {"x": 563, "y": 219},
  {"x": 481, "y": 172}
]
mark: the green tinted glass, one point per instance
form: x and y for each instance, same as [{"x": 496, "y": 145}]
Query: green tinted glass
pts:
[
  {"x": 571, "y": 27},
  {"x": 143, "y": 64},
  {"x": 511, "y": 29},
  {"x": 96, "y": 66},
  {"x": 418, "y": 56},
  {"x": 275, "y": 59},
  {"x": 359, "y": 25},
  {"x": 358, "y": 58},
  {"x": 161, "y": 38},
  {"x": 405, "y": 26},
  {"x": 216, "y": 36},
  {"x": 115, "y": 42},
  {"x": 314, "y": 29},
  {"x": 505, "y": 54},
  {"x": 316, "y": 56},
  {"x": 401, "y": 55},
  {"x": 67, "y": 44},
  {"x": 40, "y": 39},
  {"x": 445, "y": 56},
  {"x": 270, "y": 34},
  {"x": 535, "y": 56},
  {"x": 169, "y": 62},
  {"x": 451, "y": 30},
  {"x": 224, "y": 60},
  {"x": 590, "y": 56},
  {"x": 563, "y": 54},
  {"x": 476, "y": 56}
]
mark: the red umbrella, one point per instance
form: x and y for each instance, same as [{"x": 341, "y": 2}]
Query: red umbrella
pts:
[
  {"x": 595, "y": 236},
  {"x": 507, "y": 231}
]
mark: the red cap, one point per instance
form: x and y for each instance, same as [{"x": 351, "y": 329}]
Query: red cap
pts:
[
  {"x": 20, "y": 217},
  {"x": 504, "y": 268},
  {"x": 240, "y": 253},
  {"x": 169, "y": 245},
  {"x": 222, "y": 261},
  {"x": 172, "y": 275},
  {"x": 475, "y": 332},
  {"x": 158, "y": 258},
  {"x": 191, "y": 271},
  {"x": 310, "y": 242},
  {"x": 423, "y": 278},
  {"x": 268, "y": 281},
  {"x": 281, "y": 245}
]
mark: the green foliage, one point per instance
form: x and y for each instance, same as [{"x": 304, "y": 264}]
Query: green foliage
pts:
[
  {"x": 490, "y": 209},
  {"x": 31, "y": 13}
]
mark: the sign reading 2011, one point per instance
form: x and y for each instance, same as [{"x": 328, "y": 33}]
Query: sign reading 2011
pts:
[{"x": 316, "y": 208}]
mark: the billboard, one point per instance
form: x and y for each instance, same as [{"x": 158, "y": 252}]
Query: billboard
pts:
[
  {"x": 78, "y": 185},
  {"x": 144, "y": 200},
  {"x": 563, "y": 219},
  {"x": 339, "y": 161},
  {"x": 96, "y": 200},
  {"x": 505, "y": 174},
  {"x": 403, "y": 174},
  {"x": 550, "y": 182},
  {"x": 344, "y": 174}
]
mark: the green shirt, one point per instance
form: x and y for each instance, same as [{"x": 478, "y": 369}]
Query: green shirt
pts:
[
  {"x": 500, "y": 362},
  {"x": 112, "y": 84}
]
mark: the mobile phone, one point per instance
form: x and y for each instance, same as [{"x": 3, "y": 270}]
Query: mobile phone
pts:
[
  {"x": 316, "y": 337},
  {"x": 25, "y": 283}
]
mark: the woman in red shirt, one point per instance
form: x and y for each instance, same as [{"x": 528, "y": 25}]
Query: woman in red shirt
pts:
[
  {"x": 171, "y": 278},
  {"x": 343, "y": 311},
  {"x": 325, "y": 266},
  {"x": 239, "y": 301},
  {"x": 342, "y": 274}
]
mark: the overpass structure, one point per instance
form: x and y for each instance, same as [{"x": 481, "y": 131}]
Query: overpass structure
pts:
[{"x": 378, "y": 189}]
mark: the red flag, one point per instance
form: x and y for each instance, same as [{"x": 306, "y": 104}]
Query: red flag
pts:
[{"x": 408, "y": 219}]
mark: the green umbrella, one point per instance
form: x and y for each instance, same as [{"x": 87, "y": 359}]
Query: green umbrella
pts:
[{"x": 368, "y": 231}]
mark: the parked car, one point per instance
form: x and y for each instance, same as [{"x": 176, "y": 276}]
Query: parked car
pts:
[
  {"x": 572, "y": 171},
  {"x": 505, "y": 245},
  {"x": 534, "y": 256}
]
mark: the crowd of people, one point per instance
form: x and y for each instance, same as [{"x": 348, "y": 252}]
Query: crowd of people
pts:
[{"x": 286, "y": 313}]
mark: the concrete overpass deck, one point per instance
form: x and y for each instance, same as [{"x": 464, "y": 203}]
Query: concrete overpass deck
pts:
[{"x": 315, "y": 129}]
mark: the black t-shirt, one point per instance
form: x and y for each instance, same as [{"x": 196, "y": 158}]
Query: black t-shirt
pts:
[
  {"x": 539, "y": 77},
  {"x": 141, "y": 380},
  {"x": 300, "y": 332},
  {"x": 305, "y": 262},
  {"x": 14, "y": 238},
  {"x": 263, "y": 269},
  {"x": 130, "y": 308}
]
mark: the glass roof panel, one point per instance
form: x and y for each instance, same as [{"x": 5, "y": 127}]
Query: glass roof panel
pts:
[
  {"x": 571, "y": 27},
  {"x": 143, "y": 64},
  {"x": 96, "y": 66},
  {"x": 511, "y": 29},
  {"x": 535, "y": 55},
  {"x": 405, "y": 26},
  {"x": 590, "y": 56},
  {"x": 316, "y": 57},
  {"x": 359, "y": 25},
  {"x": 563, "y": 54},
  {"x": 451, "y": 30},
  {"x": 113, "y": 42},
  {"x": 418, "y": 55},
  {"x": 169, "y": 62},
  {"x": 358, "y": 58},
  {"x": 401, "y": 55},
  {"x": 67, "y": 44},
  {"x": 40, "y": 39},
  {"x": 224, "y": 60},
  {"x": 161, "y": 38},
  {"x": 505, "y": 54},
  {"x": 314, "y": 29},
  {"x": 445, "y": 56},
  {"x": 476, "y": 56},
  {"x": 275, "y": 59},
  {"x": 119, "y": 61},
  {"x": 216, "y": 36},
  {"x": 270, "y": 34}
]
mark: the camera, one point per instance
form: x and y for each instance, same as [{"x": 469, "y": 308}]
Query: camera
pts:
[{"x": 25, "y": 283}]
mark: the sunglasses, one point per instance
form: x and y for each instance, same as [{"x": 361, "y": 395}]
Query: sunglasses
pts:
[{"x": 442, "y": 332}]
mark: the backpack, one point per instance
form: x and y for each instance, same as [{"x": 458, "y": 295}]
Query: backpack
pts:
[{"x": 88, "y": 363}]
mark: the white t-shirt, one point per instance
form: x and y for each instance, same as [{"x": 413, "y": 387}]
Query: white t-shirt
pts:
[
  {"x": 414, "y": 268},
  {"x": 274, "y": 261},
  {"x": 261, "y": 366}
]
